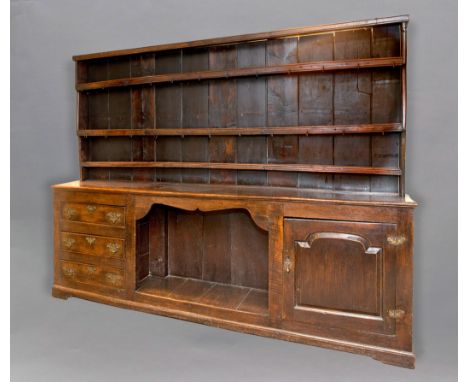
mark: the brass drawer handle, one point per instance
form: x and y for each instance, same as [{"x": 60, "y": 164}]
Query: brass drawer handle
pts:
[
  {"x": 90, "y": 269},
  {"x": 69, "y": 272},
  {"x": 114, "y": 279},
  {"x": 113, "y": 247},
  {"x": 91, "y": 207},
  {"x": 70, "y": 213},
  {"x": 68, "y": 242},
  {"x": 113, "y": 217},
  {"x": 90, "y": 240}
]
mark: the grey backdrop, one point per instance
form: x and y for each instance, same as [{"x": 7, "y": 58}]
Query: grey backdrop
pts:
[{"x": 76, "y": 340}]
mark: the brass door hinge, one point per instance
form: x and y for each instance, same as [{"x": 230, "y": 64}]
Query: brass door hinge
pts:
[
  {"x": 396, "y": 313},
  {"x": 396, "y": 240}
]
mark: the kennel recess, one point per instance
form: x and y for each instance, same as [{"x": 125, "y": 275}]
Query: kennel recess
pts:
[{"x": 253, "y": 182}]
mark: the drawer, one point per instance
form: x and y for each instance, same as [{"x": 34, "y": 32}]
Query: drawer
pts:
[
  {"x": 94, "y": 213},
  {"x": 101, "y": 246},
  {"x": 91, "y": 274}
]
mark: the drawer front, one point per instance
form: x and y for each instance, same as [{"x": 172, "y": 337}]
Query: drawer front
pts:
[
  {"x": 94, "y": 213},
  {"x": 101, "y": 246},
  {"x": 90, "y": 274}
]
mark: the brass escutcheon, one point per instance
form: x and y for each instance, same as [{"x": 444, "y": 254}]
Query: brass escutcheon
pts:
[
  {"x": 91, "y": 208},
  {"x": 287, "y": 264},
  {"x": 113, "y": 217}
]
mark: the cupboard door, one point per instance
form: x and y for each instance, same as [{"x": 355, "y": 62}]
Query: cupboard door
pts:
[{"x": 339, "y": 274}]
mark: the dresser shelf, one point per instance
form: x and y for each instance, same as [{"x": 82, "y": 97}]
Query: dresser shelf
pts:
[
  {"x": 250, "y": 166},
  {"x": 240, "y": 131},
  {"x": 306, "y": 67}
]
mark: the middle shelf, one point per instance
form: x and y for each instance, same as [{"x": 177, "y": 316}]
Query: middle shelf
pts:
[
  {"x": 251, "y": 166},
  {"x": 280, "y": 130}
]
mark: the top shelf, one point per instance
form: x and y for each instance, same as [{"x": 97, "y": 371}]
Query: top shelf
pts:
[
  {"x": 312, "y": 66},
  {"x": 248, "y": 37}
]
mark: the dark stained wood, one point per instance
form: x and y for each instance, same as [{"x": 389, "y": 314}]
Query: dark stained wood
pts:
[
  {"x": 195, "y": 114},
  {"x": 185, "y": 244},
  {"x": 142, "y": 115},
  {"x": 222, "y": 113},
  {"x": 318, "y": 66},
  {"x": 282, "y": 110},
  {"x": 142, "y": 251},
  {"x": 252, "y": 166},
  {"x": 158, "y": 243},
  {"x": 98, "y": 110},
  {"x": 251, "y": 111},
  {"x": 352, "y": 104},
  {"x": 216, "y": 248},
  {"x": 241, "y": 131},
  {"x": 119, "y": 116},
  {"x": 249, "y": 248},
  {"x": 168, "y": 113},
  {"x": 316, "y": 108},
  {"x": 326, "y": 257},
  {"x": 254, "y": 183},
  {"x": 386, "y": 101}
]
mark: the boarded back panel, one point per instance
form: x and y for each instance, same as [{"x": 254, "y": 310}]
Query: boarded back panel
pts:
[
  {"x": 222, "y": 113},
  {"x": 143, "y": 116},
  {"x": 195, "y": 114},
  {"x": 282, "y": 110},
  {"x": 168, "y": 115},
  {"x": 316, "y": 108},
  {"x": 251, "y": 112},
  {"x": 185, "y": 243},
  {"x": 158, "y": 241},
  {"x": 216, "y": 248},
  {"x": 386, "y": 41},
  {"x": 249, "y": 257},
  {"x": 352, "y": 105},
  {"x": 120, "y": 118},
  {"x": 98, "y": 110},
  {"x": 97, "y": 70}
]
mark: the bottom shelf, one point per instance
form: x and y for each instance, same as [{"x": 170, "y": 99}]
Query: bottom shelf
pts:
[{"x": 225, "y": 296}]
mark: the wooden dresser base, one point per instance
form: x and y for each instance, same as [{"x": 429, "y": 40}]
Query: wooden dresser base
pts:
[{"x": 319, "y": 269}]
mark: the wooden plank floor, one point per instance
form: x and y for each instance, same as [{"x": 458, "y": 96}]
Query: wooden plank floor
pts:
[{"x": 226, "y": 296}]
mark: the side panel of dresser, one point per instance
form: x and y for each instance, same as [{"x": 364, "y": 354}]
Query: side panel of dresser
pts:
[{"x": 91, "y": 241}]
